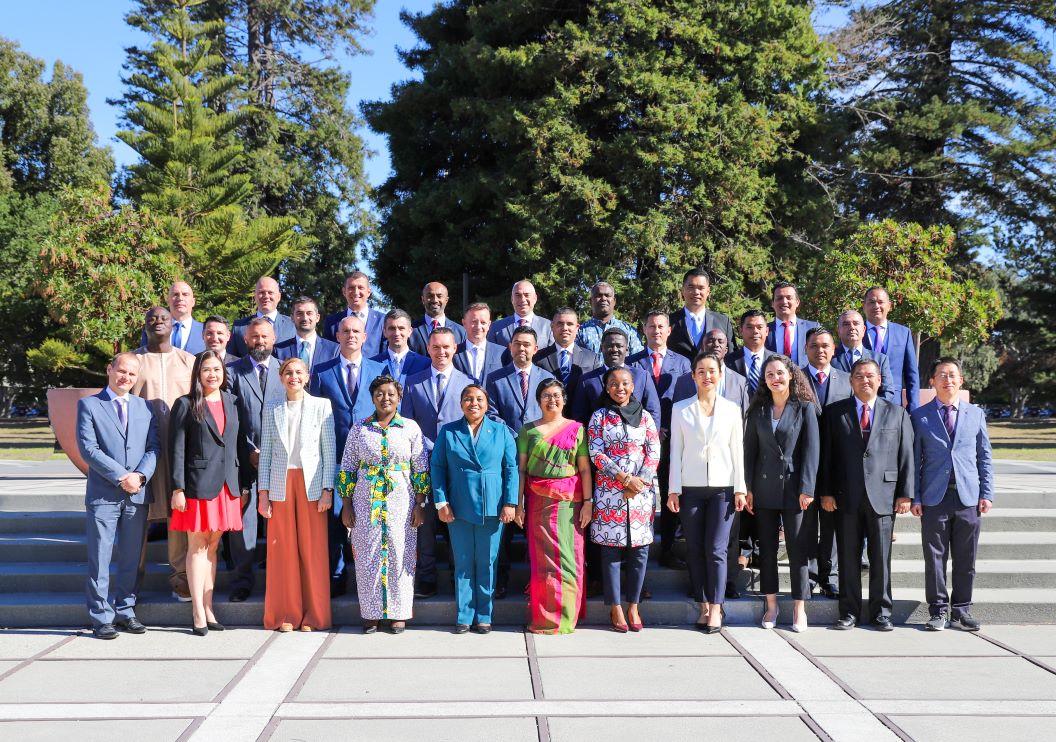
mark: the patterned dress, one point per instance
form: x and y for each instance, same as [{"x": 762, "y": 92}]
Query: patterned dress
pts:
[
  {"x": 383, "y": 470},
  {"x": 615, "y": 447}
]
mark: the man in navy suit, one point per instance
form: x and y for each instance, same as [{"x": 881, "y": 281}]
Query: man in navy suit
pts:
[
  {"x": 894, "y": 341},
  {"x": 591, "y": 391},
  {"x": 851, "y": 329},
  {"x": 216, "y": 332},
  {"x": 432, "y": 399},
  {"x": 399, "y": 360},
  {"x": 476, "y": 356},
  {"x": 117, "y": 435},
  {"x": 186, "y": 330},
  {"x": 523, "y": 298},
  {"x": 788, "y": 332},
  {"x": 566, "y": 359},
  {"x": 748, "y": 361},
  {"x": 345, "y": 381},
  {"x": 307, "y": 345},
  {"x": 356, "y": 291},
  {"x": 267, "y": 296},
  {"x": 434, "y": 301},
  {"x": 690, "y": 324},
  {"x": 954, "y": 470}
]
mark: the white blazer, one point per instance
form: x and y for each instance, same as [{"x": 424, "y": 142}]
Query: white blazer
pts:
[
  {"x": 696, "y": 446},
  {"x": 317, "y": 449}
]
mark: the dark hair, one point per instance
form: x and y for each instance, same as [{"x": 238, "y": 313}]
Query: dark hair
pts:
[
  {"x": 696, "y": 273},
  {"x": 819, "y": 330},
  {"x": 216, "y": 318},
  {"x": 566, "y": 310},
  {"x": 525, "y": 330},
  {"x": 616, "y": 331},
  {"x": 304, "y": 300},
  {"x": 704, "y": 355},
  {"x": 196, "y": 396},
  {"x": 656, "y": 313},
  {"x": 380, "y": 381},
  {"x": 749, "y": 314},
  {"x": 356, "y": 274},
  {"x": 601, "y": 283},
  {"x": 784, "y": 285},
  {"x": 445, "y": 330},
  {"x": 471, "y": 387},
  {"x": 394, "y": 314},
  {"x": 942, "y": 361},
  {"x": 864, "y": 362},
  {"x": 866, "y": 293},
  {"x": 547, "y": 384},
  {"x": 799, "y": 387},
  {"x": 477, "y": 306},
  {"x": 609, "y": 372}
]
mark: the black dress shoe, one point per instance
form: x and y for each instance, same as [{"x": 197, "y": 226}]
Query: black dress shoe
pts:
[
  {"x": 672, "y": 561},
  {"x": 105, "y": 631},
  {"x": 461, "y": 628},
  {"x": 200, "y": 630},
  {"x": 844, "y": 623},
  {"x": 239, "y": 595},
  {"x": 425, "y": 590},
  {"x": 338, "y": 588},
  {"x": 883, "y": 623},
  {"x": 132, "y": 626},
  {"x": 732, "y": 593},
  {"x": 397, "y": 627},
  {"x": 215, "y": 626},
  {"x": 483, "y": 628},
  {"x": 711, "y": 629},
  {"x": 647, "y": 594},
  {"x": 499, "y": 593},
  {"x": 829, "y": 592}
]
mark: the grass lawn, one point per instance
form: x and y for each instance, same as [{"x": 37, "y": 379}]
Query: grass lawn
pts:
[{"x": 27, "y": 440}]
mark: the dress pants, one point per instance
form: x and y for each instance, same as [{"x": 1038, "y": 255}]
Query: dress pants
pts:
[
  {"x": 243, "y": 545},
  {"x": 824, "y": 561},
  {"x": 426, "y": 570},
  {"x": 949, "y": 529},
  {"x": 798, "y": 536},
  {"x": 613, "y": 559},
  {"x": 177, "y": 553},
  {"x": 733, "y": 551},
  {"x": 338, "y": 547},
  {"x": 115, "y": 534},
  {"x": 668, "y": 518},
  {"x": 707, "y": 515},
  {"x": 852, "y": 526},
  {"x": 474, "y": 549},
  {"x": 504, "y": 559}
]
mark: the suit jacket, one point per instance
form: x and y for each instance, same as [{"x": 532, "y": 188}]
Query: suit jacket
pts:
[
  {"x": 837, "y": 386},
  {"x": 799, "y": 348},
  {"x": 325, "y": 350},
  {"x": 419, "y": 402},
  {"x": 590, "y": 391},
  {"x": 476, "y": 480},
  {"x": 229, "y": 359},
  {"x": 374, "y": 342},
  {"x": 583, "y": 362},
  {"x": 419, "y": 339},
  {"x": 695, "y": 443},
  {"x": 881, "y": 471},
  {"x": 505, "y": 402},
  {"x": 842, "y": 361},
  {"x": 329, "y": 381},
  {"x": 316, "y": 448},
  {"x": 250, "y": 402},
  {"x": 194, "y": 343},
  {"x": 111, "y": 451},
  {"x": 284, "y": 330},
  {"x": 781, "y": 464},
  {"x": 493, "y": 354},
  {"x": 735, "y": 389},
  {"x": 735, "y": 360},
  {"x": 672, "y": 367},
  {"x": 681, "y": 341},
  {"x": 203, "y": 459},
  {"x": 501, "y": 331},
  {"x": 901, "y": 353},
  {"x": 968, "y": 458},
  {"x": 412, "y": 364}
]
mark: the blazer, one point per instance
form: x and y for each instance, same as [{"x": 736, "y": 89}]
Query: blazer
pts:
[
  {"x": 493, "y": 360},
  {"x": 799, "y": 349},
  {"x": 501, "y": 331},
  {"x": 968, "y": 457},
  {"x": 590, "y": 391},
  {"x": 505, "y": 402},
  {"x": 681, "y": 341},
  {"x": 672, "y": 367},
  {"x": 735, "y": 360},
  {"x": 284, "y": 330},
  {"x": 734, "y": 388},
  {"x": 842, "y": 361},
  {"x": 412, "y": 364},
  {"x": 329, "y": 381},
  {"x": 325, "y": 350},
  {"x": 419, "y": 339},
  {"x": 782, "y": 464},
  {"x": 879, "y": 472},
  {"x": 901, "y": 353},
  {"x": 374, "y": 342},
  {"x": 419, "y": 402},
  {"x": 111, "y": 451},
  {"x": 583, "y": 361},
  {"x": 250, "y": 402},
  {"x": 317, "y": 449},
  {"x": 837, "y": 386},
  {"x": 695, "y": 447},
  {"x": 193, "y": 344},
  {"x": 475, "y": 480},
  {"x": 203, "y": 460}
]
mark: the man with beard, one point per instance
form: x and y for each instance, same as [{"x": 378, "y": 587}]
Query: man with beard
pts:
[
  {"x": 186, "y": 330},
  {"x": 307, "y": 345},
  {"x": 434, "y": 301}
]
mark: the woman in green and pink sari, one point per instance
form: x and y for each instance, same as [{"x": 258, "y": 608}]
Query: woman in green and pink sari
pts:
[{"x": 554, "y": 507}]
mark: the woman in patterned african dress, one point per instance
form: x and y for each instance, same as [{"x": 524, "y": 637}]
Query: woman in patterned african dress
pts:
[{"x": 384, "y": 479}]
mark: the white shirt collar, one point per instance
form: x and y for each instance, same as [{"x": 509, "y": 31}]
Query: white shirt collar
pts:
[
  {"x": 362, "y": 314},
  {"x": 442, "y": 319},
  {"x": 883, "y": 325},
  {"x": 270, "y": 315},
  {"x": 345, "y": 362},
  {"x": 398, "y": 356},
  {"x": 517, "y": 318},
  {"x": 482, "y": 346},
  {"x": 860, "y": 349},
  {"x": 661, "y": 351},
  {"x": 257, "y": 364},
  {"x": 781, "y": 323},
  {"x": 447, "y": 374},
  {"x": 112, "y": 395},
  {"x": 311, "y": 340},
  {"x": 698, "y": 316}
]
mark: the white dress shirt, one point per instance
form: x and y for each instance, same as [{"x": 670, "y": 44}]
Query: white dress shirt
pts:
[
  {"x": 185, "y": 331},
  {"x": 476, "y": 354},
  {"x": 345, "y": 363}
]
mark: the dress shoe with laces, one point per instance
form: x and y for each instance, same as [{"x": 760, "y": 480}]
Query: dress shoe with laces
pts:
[
  {"x": 483, "y": 628},
  {"x": 843, "y": 623},
  {"x": 883, "y": 623},
  {"x": 105, "y": 631},
  {"x": 131, "y": 625}
]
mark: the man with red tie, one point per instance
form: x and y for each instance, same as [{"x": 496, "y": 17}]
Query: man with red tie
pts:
[
  {"x": 788, "y": 332},
  {"x": 434, "y": 300}
]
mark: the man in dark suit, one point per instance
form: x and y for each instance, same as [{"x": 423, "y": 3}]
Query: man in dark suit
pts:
[
  {"x": 867, "y": 475},
  {"x": 356, "y": 291},
  {"x": 186, "y": 330},
  {"x": 748, "y": 361},
  {"x": 851, "y": 328},
  {"x": 894, "y": 341},
  {"x": 266, "y": 296},
  {"x": 614, "y": 353},
  {"x": 399, "y": 360},
  {"x": 566, "y": 359},
  {"x": 117, "y": 435},
  {"x": 477, "y": 358},
  {"x": 434, "y": 300},
  {"x": 523, "y": 298},
  {"x": 216, "y": 333},
  {"x": 788, "y": 332},
  {"x": 307, "y": 345},
  {"x": 255, "y": 382},
  {"x": 690, "y": 324}
]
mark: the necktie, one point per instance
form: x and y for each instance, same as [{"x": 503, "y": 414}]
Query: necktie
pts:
[
  {"x": 441, "y": 387},
  {"x": 522, "y": 322},
  {"x": 436, "y": 324},
  {"x": 396, "y": 366},
  {"x": 565, "y": 366},
  {"x": 865, "y": 423},
  {"x": 698, "y": 329},
  {"x": 656, "y": 366},
  {"x": 821, "y": 377},
  {"x": 262, "y": 375},
  {"x": 788, "y": 338},
  {"x": 878, "y": 339},
  {"x": 353, "y": 382},
  {"x": 947, "y": 419},
  {"x": 122, "y": 415},
  {"x": 305, "y": 354},
  {"x": 177, "y": 336},
  {"x": 473, "y": 361},
  {"x": 856, "y": 355},
  {"x": 524, "y": 385},
  {"x": 753, "y": 375}
]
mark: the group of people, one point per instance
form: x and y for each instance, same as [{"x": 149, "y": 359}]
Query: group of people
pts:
[{"x": 361, "y": 447}]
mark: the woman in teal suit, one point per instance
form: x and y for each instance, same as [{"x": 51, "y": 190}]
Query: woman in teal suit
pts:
[{"x": 474, "y": 478}]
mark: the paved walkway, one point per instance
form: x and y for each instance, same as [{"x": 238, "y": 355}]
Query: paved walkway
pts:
[{"x": 665, "y": 683}]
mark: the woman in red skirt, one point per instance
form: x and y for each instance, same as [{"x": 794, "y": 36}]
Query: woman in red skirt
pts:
[{"x": 203, "y": 436}]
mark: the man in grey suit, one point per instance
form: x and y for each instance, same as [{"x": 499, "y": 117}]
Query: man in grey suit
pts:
[
  {"x": 267, "y": 296},
  {"x": 523, "y": 298},
  {"x": 867, "y": 477},
  {"x": 566, "y": 359},
  {"x": 117, "y": 435},
  {"x": 955, "y": 487},
  {"x": 851, "y": 328}
]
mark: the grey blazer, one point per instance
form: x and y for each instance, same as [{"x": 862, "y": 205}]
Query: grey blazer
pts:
[
  {"x": 837, "y": 386},
  {"x": 781, "y": 464}
]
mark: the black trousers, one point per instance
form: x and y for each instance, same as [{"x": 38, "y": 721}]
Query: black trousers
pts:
[
  {"x": 852, "y": 526},
  {"x": 824, "y": 559},
  {"x": 707, "y": 514},
  {"x": 733, "y": 550},
  {"x": 613, "y": 558},
  {"x": 798, "y": 536},
  {"x": 338, "y": 547},
  {"x": 668, "y": 518},
  {"x": 243, "y": 545},
  {"x": 426, "y": 572},
  {"x": 949, "y": 529},
  {"x": 504, "y": 560}
]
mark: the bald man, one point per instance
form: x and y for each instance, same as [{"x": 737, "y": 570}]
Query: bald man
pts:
[
  {"x": 266, "y": 296},
  {"x": 434, "y": 301},
  {"x": 523, "y": 298},
  {"x": 186, "y": 330}
]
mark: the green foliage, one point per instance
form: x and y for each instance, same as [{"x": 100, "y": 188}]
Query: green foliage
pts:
[{"x": 1026, "y": 342}]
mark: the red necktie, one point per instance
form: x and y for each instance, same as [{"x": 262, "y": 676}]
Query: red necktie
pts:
[
  {"x": 522, "y": 322},
  {"x": 524, "y": 385},
  {"x": 656, "y": 366},
  {"x": 788, "y": 338},
  {"x": 865, "y": 423},
  {"x": 821, "y": 377}
]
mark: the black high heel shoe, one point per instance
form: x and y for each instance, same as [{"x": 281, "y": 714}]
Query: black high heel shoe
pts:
[
  {"x": 717, "y": 629},
  {"x": 200, "y": 630},
  {"x": 214, "y": 626}
]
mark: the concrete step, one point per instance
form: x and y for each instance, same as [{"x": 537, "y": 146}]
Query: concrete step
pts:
[
  {"x": 998, "y": 519},
  {"x": 31, "y": 521},
  {"x": 992, "y": 545},
  {"x": 1024, "y": 500},
  {"x": 70, "y": 498}
]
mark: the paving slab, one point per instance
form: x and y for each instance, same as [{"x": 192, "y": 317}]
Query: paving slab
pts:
[
  {"x": 967, "y": 728},
  {"x": 784, "y": 728},
  {"x": 652, "y": 678},
  {"x": 1034, "y": 640},
  {"x": 6, "y": 665},
  {"x": 659, "y": 641},
  {"x": 161, "y": 644},
  {"x": 155, "y": 730},
  {"x": 460, "y": 679},
  {"x": 422, "y": 642},
  {"x": 904, "y": 641},
  {"x": 929, "y": 678},
  {"x": 516, "y": 729},
  {"x": 20, "y": 644},
  {"x": 100, "y": 681}
]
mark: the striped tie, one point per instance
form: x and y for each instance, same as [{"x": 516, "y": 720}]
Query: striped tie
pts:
[{"x": 753, "y": 376}]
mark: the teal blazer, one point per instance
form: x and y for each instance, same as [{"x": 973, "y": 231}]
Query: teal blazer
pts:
[{"x": 476, "y": 481}]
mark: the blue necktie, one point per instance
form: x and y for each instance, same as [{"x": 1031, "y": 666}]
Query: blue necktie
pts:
[
  {"x": 177, "y": 336},
  {"x": 565, "y": 366},
  {"x": 753, "y": 376},
  {"x": 304, "y": 354}
]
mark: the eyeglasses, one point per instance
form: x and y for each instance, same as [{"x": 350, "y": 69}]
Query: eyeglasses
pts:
[{"x": 555, "y": 397}]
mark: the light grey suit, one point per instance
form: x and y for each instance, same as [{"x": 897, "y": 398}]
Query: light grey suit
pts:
[{"x": 501, "y": 331}]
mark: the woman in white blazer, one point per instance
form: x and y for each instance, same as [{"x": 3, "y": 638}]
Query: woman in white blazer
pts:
[
  {"x": 295, "y": 488},
  {"x": 706, "y": 483}
]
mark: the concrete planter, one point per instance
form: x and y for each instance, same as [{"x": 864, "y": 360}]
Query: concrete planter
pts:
[{"x": 62, "y": 414}]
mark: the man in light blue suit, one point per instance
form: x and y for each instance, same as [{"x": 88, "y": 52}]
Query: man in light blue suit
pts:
[
  {"x": 434, "y": 301},
  {"x": 356, "y": 291},
  {"x": 953, "y": 462},
  {"x": 117, "y": 435},
  {"x": 896, "y": 342},
  {"x": 267, "y": 296},
  {"x": 788, "y": 332},
  {"x": 523, "y": 298},
  {"x": 307, "y": 345},
  {"x": 476, "y": 356},
  {"x": 186, "y": 330},
  {"x": 851, "y": 329},
  {"x": 431, "y": 398},
  {"x": 399, "y": 360}
]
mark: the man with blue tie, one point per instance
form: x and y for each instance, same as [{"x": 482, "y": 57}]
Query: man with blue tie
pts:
[
  {"x": 566, "y": 360},
  {"x": 851, "y": 329},
  {"x": 894, "y": 341},
  {"x": 399, "y": 360},
  {"x": 523, "y": 297},
  {"x": 788, "y": 332},
  {"x": 953, "y": 462},
  {"x": 434, "y": 301},
  {"x": 307, "y": 345},
  {"x": 117, "y": 436},
  {"x": 476, "y": 356},
  {"x": 432, "y": 399},
  {"x": 186, "y": 330},
  {"x": 690, "y": 325},
  {"x": 357, "y": 292},
  {"x": 748, "y": 361},
  {"x": 603, "y": 316},
  {"x": 266, "y": 295},
  {"x": 590, "y": 393}
]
